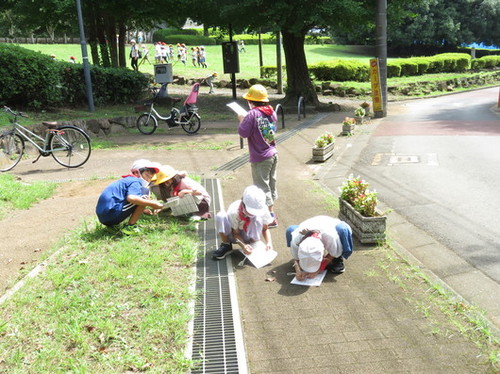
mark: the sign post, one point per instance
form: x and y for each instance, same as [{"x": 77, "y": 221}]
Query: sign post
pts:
[{"x": 378, "y": 107}]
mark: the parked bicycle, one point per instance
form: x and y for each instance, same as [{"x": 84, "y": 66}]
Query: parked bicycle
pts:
[
  {"x": 68, "y": 145},
  {"x": 188, "y": 118}
]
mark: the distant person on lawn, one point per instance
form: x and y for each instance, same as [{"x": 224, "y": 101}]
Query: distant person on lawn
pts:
[
  {"x": 128, "y": 197},
  {"x": 319, "y": 243},
  {"x": 244, "y": 222}
]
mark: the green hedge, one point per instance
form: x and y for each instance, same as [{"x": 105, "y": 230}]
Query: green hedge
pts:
[
  {"x": 28, "y": 78},
  {"x": 184, "y": 38},
  {"x": 340, "y": 71},
  {"x": 109, "y": 85},
  {"x": 31, "y": 79}
]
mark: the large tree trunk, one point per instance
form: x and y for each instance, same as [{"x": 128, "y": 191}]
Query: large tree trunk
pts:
[
  {"x": 122, "y": 54},
  {"x": 111, "y": 38},
  {"x": 298, "y": 80}
]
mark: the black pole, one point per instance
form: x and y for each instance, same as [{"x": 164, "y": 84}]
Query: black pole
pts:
[
  {"x": 85, "y": 58},
  {"x": 381, "y": 52},
  {"x": 233, "y": 75}
]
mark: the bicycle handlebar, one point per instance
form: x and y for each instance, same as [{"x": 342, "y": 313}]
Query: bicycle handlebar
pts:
[{"x": 10, "y": 111}]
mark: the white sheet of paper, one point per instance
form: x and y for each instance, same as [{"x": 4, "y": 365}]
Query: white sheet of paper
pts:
[
  {"x": 237, "y": 108},
  {"x": 259, "y": 256},
  {"x": 186, "y": 205},
  {"x": 316, "y": 281}
]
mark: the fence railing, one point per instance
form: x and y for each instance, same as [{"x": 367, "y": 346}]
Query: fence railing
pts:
[
  {"x": 67, "y": 40},
  {"x": 280, "y": 110},
  {"x": 301, "y": 107}
]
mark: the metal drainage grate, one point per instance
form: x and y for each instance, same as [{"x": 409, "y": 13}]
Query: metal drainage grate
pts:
[
  {"x": 243, "y": 159},
  {"x": 217, "y": 344}
]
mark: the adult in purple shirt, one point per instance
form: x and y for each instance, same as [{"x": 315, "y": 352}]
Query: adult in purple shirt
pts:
[{"x": 259, "y": 127}]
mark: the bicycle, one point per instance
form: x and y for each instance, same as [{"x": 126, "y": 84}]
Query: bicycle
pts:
[
  {"x": 68, "y": 145},
  {"x": 188, "y": 118}
]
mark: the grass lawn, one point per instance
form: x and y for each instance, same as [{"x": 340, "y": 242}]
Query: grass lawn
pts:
[
  {"x": 249, "y": 61},
  {"x": 106, "y": 303}
]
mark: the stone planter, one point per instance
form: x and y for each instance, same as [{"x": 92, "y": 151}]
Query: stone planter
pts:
[
  {"x": 348, "y": 129},
  {"x": 368, "y": 230},
  {"x": 322, "y": 154},
  {"x": 359, "y": 120}
]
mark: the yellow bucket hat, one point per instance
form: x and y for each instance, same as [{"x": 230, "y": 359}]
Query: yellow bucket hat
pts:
[{"x": 257, "y": 93}]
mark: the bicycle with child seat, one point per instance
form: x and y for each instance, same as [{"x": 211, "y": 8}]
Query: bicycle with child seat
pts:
[
  {"x": 188, "y": 118},
  {"x": 68, "y": 145}
]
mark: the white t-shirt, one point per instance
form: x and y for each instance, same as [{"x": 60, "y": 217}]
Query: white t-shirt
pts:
[{"x": 328, "y": 235}]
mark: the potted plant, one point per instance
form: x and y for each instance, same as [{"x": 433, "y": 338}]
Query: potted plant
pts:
[
  {"x": 348, "y": 125},
  {"x": 323, "y": 147},
  {"x": 366, "y": 106},
  {"x": 358, "y": 207},
  {"x": 359, "y": 114}
]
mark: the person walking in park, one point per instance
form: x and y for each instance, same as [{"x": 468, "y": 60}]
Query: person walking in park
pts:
[
  {"x": 259, "y": 127},
  {"x": 242, "y": 46},
  {"x": 202, "y": 57},
  {"x": 309, "y": 241},
  {"x": 245, "y": 222},
  {"x": 134, "y": 55},
  {"x": 128, "y": 197}
]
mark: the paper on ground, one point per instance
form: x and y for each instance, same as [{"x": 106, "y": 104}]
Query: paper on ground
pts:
[
  {"x": 181, "y": 206},
  {"x": 237, "y": 108},
  {"x": 316, "y": 281},
  {"x": 259, "y": 256}
]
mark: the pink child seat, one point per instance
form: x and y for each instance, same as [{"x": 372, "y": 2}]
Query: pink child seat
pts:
[{"x": 193, "y": 96}]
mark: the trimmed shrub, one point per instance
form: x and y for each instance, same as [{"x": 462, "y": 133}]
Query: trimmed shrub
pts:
[
  {"x": 393, "y": 69},
  {"x": 340, "y": 71},
  {"x": 490, "y": 61},
  {"x": 423, "y": 65},
  {"x": 162, "y": 34},
  {"x": 478, "y": 63},
  {"x": 409, "y": 67},
  {"x": 28, "y": 78},
  {"x": 109, "y": 85},
  {"x": 31, "y": 79}
]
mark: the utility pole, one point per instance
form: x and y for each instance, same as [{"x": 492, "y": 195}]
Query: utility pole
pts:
[
  {"x": 85, "y": 58},
  {"x": 381, "y": 52}
]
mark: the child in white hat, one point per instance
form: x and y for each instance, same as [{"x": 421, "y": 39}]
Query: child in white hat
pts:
[
  {"x": 244, "y": 222},
  {"x": 314, "y": 237}
]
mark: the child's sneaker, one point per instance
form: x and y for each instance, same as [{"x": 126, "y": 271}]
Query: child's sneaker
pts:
[
  {"x": 131, "y": 230},
  {"x": 223, "y": 250},
  {"x": 273, "y": 224},
  {"x": 337, "y": 266}
]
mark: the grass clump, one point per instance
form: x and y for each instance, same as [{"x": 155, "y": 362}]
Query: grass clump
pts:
[
  {"x": 17, "y": 195},
  {"x": 106, "y": 303}
]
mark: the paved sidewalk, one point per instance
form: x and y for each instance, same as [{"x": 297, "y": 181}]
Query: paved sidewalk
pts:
[{"x": 377, "y": 317}]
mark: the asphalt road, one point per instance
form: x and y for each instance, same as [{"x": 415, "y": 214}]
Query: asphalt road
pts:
[{"x": 437, "y": 163}]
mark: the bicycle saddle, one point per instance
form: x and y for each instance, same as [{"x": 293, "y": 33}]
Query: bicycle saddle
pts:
[{"x": 50, "y": 125}]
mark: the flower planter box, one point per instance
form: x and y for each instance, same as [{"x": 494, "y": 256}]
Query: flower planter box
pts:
[
  {"x": 322, "y": 154},
  {"x": 368, "y": 230},
  {"x": 348, "y": 129}
]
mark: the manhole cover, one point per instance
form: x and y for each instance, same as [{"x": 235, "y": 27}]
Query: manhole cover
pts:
[{"x": 402, "y": 159}]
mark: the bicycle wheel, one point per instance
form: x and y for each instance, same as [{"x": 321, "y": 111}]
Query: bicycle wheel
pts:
[
  {"x": 192, "y": 125},
  {"x": 11, "y": 151},
  {"x": 70, "y": 146},
  {"x": 147, "y": 123}
]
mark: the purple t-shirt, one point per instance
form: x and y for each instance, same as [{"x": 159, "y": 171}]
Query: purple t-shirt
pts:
[{"x": 260, "y": 130}]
